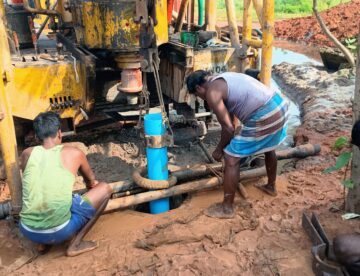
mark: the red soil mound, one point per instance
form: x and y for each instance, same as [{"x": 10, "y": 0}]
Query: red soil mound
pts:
[{"x": 342, "y": 20}]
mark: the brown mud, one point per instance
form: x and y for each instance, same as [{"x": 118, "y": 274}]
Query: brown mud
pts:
[
  {"x": 264, "y": 238},
  {"x": 342, "y": 20}
]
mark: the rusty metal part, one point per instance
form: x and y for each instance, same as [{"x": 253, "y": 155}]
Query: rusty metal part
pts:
[
  {"x": 141, "y": 15},
  {"x": 158, "y": 141},
  {"x": 324, "y": 260},
  {"x": 131, "y": 81},
  {"x": 33, "y": 36},
  {"x": 39, "y": 10},
  {"x": 141, "y": 181},
  {"x": 129, "y": 60}
]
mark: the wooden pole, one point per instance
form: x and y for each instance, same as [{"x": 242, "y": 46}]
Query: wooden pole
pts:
[
  {"x": 233, "y": 28},
  {"x": 181, "y": 15},
  {"x": 247, "y": 21},
  {"x": 258, "y": 5},
  {"x": 210, "y": 15},
  {"x": 353, "y": 197},
  {"x": 268, "y": 37},
  {"x": 132, "y": 200},
  {"x": 348, "y": 55}
]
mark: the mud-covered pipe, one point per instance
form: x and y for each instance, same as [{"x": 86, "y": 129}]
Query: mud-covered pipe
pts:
[
  {"x": 124, "y": 202},
  {"x": 201, "y": 170},
  {"x": 143, "y": 182}
]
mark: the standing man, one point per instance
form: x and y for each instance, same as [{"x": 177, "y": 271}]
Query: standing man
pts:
[
  {"x": 50, "y": 213},
  {"x": 263, "y": 113}
]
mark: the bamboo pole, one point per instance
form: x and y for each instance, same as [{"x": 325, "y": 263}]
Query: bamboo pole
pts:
[
  {"x": 247, "y": 20},
  {"x": 348, "y": 55},
  {"x": 181, "y": 15},
  {"x": 258, "y": 5},
  {"x": 132, "y": 200},
  {"x": 233, "y": 28},
  {"x": 268, "y": 37},
  {"x": 210, "y": 15},
  {"x": 7, "y": 129}
]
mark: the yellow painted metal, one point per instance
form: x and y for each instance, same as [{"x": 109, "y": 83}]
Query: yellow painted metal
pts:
[
  {"x": 268, "y": 37},
  {"x": 247, "y": 20},
  {"x": 234, "y": 33},
  {"x": 210, "y": 15},
  {"x": 161, "y": 29},
  {"x": 110, "y": 25},
  {"x": 258, "y": 5},
  {"x": 34, "y": 85},
  {"x": 256, "y": 43},
  {"x": 7, "y": 129}
]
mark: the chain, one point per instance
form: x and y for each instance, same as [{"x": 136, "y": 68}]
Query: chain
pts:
[
  {"x": 160, "y": 96},
  {"x": 144, "y": 106}
]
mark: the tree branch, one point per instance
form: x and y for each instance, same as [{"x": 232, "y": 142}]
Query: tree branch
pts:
[{"x": 349, "y": 57}]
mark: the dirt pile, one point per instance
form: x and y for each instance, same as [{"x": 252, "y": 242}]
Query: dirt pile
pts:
[
  {"x": 342, "y": 20},
  {"x": 325, "y": 99}
]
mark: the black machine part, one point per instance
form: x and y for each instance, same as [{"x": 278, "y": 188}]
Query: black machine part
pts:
[{"x": 324, "y": 262}]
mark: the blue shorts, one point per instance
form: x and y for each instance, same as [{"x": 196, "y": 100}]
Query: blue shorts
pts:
[{"x": 81, "y": 213}]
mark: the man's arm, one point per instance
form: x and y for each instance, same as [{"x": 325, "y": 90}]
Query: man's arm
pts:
[
  {"x": 216, "y": 103},
  {"x": 86, "y": 171},
  {"x": 24, "y": 158}
]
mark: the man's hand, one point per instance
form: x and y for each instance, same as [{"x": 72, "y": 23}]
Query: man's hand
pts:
[
  {"x": 217, "y": 154},
  {"x": 92, "y": 184}
]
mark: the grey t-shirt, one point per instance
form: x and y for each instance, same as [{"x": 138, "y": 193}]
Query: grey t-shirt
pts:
[{"x": 245, "y": 94}]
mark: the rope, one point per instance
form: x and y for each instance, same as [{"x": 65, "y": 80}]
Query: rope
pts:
[{"x": 160, "y": 96}]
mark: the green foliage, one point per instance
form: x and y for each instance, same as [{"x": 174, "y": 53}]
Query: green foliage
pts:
[
  {"x": 341, "y": 161},
  {"x": 351, "y": 44},
  {"x": 348, "y": 183},
  {"x": 340, "y": 143},
  {"x": 283, "y": 8}
]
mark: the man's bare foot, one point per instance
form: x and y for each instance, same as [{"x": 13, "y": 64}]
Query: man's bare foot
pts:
[
  {"x": 219, "y": 210},
  {"x": 82, "y": 247},
  {"x": 268, "y": 188}
]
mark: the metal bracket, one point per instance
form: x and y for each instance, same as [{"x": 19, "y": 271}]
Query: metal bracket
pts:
[
  {"x": 158, "y": 141},
  {"x": 141, "y": 12}
]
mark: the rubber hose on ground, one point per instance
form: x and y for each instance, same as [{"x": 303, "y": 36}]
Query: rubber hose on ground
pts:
[{"x": 146, "y": 183}]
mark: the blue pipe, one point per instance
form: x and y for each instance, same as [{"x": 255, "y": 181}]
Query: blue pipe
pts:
[{"x": 157, "y": 160}]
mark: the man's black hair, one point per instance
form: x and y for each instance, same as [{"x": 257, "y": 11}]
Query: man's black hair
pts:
[
  {"x": 355, "y": 134},
  {"x": 196, "y": 78},
  {"x": 46, "y": 125}
]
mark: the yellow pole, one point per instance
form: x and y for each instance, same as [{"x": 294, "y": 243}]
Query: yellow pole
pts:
[
  {"x": 268, "y": 29},
  {"x": 233, "y": 28},
  {"x": 258, "y": 5},
  {"x": 210, "y": 15},
  {"x": 247, "y": 21},
  {"x": 7, "y": 129}
]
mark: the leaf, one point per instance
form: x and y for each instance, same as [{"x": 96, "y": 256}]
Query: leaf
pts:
[
  {"x": 341, "y": 161},
  {"x": 340, "y": 142},
  {"x": 352, "y": 47},
  {"x": 348, "y": 183}
]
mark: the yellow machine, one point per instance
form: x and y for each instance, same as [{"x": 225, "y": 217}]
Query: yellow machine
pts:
[{"x": 103, "y": 56}]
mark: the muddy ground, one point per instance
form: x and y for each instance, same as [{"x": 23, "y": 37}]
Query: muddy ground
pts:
[{"x": 265, "y": 237}]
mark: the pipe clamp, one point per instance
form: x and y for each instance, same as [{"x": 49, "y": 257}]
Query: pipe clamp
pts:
[{"x": 158, "y": 141}]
